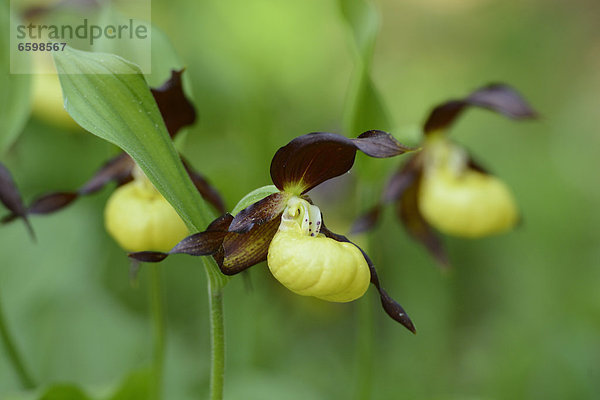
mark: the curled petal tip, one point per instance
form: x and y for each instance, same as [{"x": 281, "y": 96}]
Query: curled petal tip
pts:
[{"x": 148, "y": 256}]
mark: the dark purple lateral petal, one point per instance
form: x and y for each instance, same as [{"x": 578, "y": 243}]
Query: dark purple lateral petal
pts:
[
  {"x": 407, "y": 209},
  {"x": 52, "y": 202},
  {"x": 148, "y": 256},
  {"x": 380, "y": 144},
  {"x": 391, "y": 307},
  {"x": 117, "y": 169},
  {"x": 177, "y": 111},
  {"x": 402, "y": 179},
  {"x": 206, "y": 190},
  {"x": 204, "y": 243},
  {"x": 259, "y": 213},
  {"x": 243, "y": 250},
  {"x": 500, "y": 98},
  {"x": 311, "y": 159},
  {"x": 367, "y": 221},
  {"x": 397, "y": 184},
  {"x": 11, "y": 198}
]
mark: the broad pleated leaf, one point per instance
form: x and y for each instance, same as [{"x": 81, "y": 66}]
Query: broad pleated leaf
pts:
[
  {"x": 109, "y": 97},
  {"x": 15, "y": 92}
]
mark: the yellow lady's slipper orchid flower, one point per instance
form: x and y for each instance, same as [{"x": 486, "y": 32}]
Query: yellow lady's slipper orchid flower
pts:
[
  {"x": 443, "y": 188},
  {"x": 282, "y": 226},
  {"x": 311, "y": 264},
  {"x": 459, "y": 200},
  {"x": 138, "y": 217}
]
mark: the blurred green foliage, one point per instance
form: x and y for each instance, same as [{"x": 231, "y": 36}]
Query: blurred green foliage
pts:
[{"x": 517, "y": 317}]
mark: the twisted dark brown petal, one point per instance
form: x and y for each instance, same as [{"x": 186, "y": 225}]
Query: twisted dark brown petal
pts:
[
  {"x": 397, "y": 184},
  {"x": 500, "y": 98},
  {"x": 177, "y": 111},
  {"x": 203, "y": 243},
  {"x": 117, "y": 169},
  {"x": 391, "y": 307},
  {"x": 206, "y": 190},
  {"x": 311, "y": 159},
  {"x": 11, "y": 198},
  {"x": 368, "y": 220},
  {"x": 407, "y": 209},
  {"x": 243, "y": 250},
  {"x": 262, "y": 211},
  {"x": 380, "y": 144},
  {"x": 233, "y": 252}
]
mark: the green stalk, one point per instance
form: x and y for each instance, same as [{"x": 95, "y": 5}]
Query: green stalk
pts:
[
  {"x": 217, "y": 330},
  {"x": 365, "y": 349},
  {"x": 14, "y": 356},
  {"x": 158, "y": 321}
]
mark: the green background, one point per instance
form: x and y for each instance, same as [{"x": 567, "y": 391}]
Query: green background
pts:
[{"x": 517, "y": 317}]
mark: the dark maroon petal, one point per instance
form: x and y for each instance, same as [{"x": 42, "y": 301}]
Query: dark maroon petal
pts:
[
  {"x": 391, "y": 307},
  {"x": 397, "y": 184},
  {"x": 407, "y": 209},
  {"x": 402, "y": 179},
  {"x": 177, "y": 111},
  {"x": 204, "y": 243},
  {"x": 148, "y": 256},
  {"x": 311, "y": 159},
  {"x": 117, "y": 169},
  {"x": 367, "y": 221},
  {"x": 206, "y": 190},
  {"x": 243, "y": 250},
  {"x": 207, "y": 242},
  {"x": 496, "y": 97},
  {"x": 259, "y": 213},
  {"x": 52, "y": 202},
  {"x": 11, "y": 198},
  {"x": 380, "y": 144}
]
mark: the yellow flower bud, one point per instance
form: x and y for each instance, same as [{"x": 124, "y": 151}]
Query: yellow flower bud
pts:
[
  {"x": 139, "y": 218},
  {"x": 310, "y": 264},
  {"x": 461, "y": 201}
]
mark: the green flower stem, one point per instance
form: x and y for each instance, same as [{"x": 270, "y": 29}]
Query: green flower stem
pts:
[
  {"x": 158, "y": 321},
  {"x": 365, "y": 344},
  {"x": 217, "y": 330},
  {"x": 13, "y": 354}
]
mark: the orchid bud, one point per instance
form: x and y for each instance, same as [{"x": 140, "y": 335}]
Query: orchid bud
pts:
[
  {"x": 310, "y": 264},
  {"x": 459, "y": 200},
  {"x": 139, "y": 218}
]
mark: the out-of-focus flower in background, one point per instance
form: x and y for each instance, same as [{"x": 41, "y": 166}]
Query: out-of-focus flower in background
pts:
[{"x": 442, "y": 188}]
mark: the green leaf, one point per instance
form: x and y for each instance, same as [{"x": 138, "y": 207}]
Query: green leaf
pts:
[
  {"x": 64, "y": 392},
  {"x": 135, "y": 386},
  {"x": 363, "y": 21},
  {"x": 15, "y": 94},
  {"x": 109, "y": 97},
  {"x": 365, "y": 109}
]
